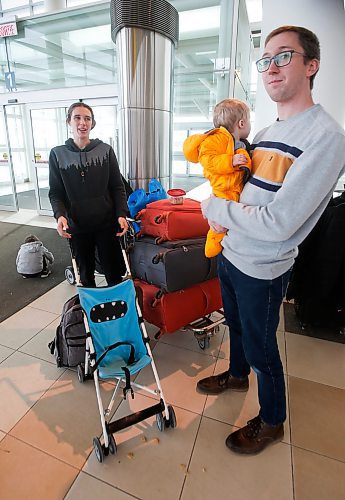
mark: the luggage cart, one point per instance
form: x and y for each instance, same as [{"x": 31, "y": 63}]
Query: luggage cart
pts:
[{"x": 205, "y": 328}]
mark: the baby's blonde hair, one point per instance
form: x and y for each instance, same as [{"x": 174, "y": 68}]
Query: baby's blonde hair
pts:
[{"x": 229, "y": 112}]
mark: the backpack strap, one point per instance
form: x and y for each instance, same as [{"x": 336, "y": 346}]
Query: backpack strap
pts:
[{"x": 51, "y": 346}]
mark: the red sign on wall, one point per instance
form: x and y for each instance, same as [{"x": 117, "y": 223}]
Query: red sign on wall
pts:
[{"x": 8, "y": 29}]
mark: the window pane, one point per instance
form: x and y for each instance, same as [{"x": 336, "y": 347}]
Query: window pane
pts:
[
  {"x": 178, "y": 139},
  {"x": 84, "y": 55},
  {"x": 15, "y": 127},
  {"x": 20, "y": 166},
  {"x": 11, "y": 4},
  {"x": 49, "y": 129},
  {"x": 106, "y": 125},
  {"x": 18, "y": 13},
  {"x": 195, "y": 169},
  {"x": 179, "y": 167},
  {"x": 73, "y": 3},
  {"x": 39, "y": 9}
]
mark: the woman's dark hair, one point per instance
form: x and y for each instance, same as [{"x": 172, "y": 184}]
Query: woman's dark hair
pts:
[
  {"x": 80, "y": 105},
  {"x": 308, "y": 40}
]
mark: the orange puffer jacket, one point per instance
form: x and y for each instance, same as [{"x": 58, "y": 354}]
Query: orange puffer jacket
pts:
[{"x": 214, "y": 150}]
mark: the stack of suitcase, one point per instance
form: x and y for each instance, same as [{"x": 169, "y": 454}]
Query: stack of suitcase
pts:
[{"x": 177, "y": 283}]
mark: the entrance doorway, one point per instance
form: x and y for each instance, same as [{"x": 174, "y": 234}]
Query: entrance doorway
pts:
[{"x": 27, "y": 134}]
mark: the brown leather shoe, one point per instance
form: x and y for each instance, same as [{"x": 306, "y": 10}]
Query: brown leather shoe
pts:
[
  {"x": 219, "y": 383},
  {"x": 254, "y": 437}
]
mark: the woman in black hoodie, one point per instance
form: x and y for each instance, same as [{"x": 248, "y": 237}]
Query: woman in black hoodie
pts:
[{"x": 88, "y": 198}]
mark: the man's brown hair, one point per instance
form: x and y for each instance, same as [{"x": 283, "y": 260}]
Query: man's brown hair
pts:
[
  {"x": 308, "y": 41},
  {"x": 229, "y": 112}
]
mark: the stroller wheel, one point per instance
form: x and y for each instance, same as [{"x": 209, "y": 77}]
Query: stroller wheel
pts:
[
  {"x": 98, "y": 448},
  {"x": 160, "y": 421},
  {"x": 172, "y": 417},
  {"x": 112, "y": 444},
  {"x": 69, "y": 275},
  {"x": 80, "y": 373}
]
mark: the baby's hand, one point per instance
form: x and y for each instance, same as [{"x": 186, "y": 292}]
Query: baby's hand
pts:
[
  {"x": 203, "y": 205},
  {"x": 239, "y": 159},
  {"x": 216, "y": 228}
]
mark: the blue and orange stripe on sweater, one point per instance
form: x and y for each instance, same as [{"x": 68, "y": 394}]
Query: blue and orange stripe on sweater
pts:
[{"x": 264, "y": 155}]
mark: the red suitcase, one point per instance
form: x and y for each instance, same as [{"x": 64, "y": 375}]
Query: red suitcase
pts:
[
  {"x": 171, "y": 311},
  {"x": 168, "y": 222}
]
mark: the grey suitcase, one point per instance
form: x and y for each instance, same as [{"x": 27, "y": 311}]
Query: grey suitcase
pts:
[{"x": 172, "y": 265}]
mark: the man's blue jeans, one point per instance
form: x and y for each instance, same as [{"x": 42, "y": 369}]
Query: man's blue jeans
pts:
[{"x": 251, "y": 308}]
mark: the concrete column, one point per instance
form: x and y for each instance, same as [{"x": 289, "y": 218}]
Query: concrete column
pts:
[{"x": 327, "y": 21}]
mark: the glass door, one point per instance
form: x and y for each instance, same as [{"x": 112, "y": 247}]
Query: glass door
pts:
[
  {"x": 49, "y": 129},
  {"x": 18, "y": 140},
  {"x": 8, "y": 195}
]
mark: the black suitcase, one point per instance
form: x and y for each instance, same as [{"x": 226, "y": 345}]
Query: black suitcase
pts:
[{"x": 172, "y": 265}]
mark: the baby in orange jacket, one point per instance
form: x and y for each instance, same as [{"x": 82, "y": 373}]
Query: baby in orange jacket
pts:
[{"x": 224, "y": 158}]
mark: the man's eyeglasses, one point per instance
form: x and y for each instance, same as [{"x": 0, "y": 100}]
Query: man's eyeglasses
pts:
[{"x": 280, "y": 60}]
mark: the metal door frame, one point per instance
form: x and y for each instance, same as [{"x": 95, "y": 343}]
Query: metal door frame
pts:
[{"x": 8, "y": 208}]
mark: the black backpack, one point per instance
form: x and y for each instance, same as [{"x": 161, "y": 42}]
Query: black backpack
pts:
[{"x": 69, "y": 344}]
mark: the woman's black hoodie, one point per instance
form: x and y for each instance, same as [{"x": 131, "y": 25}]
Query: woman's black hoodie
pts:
[{"x": 86, "y": 186}]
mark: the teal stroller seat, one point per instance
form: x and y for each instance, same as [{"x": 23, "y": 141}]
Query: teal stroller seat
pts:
[{"x": 116, "y": 334}]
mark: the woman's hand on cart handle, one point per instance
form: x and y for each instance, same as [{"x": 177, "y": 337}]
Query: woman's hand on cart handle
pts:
[
  {"x": 123, "y": 225},
  {"x": 62, "y": 227}
]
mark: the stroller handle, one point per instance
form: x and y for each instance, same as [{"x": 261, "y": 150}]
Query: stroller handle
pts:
[{"x": 127, "y": 242}]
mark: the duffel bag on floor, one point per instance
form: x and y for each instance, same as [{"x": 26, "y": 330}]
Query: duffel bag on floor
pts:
[
  {"x": 171, "y": 311},
  {"x": 168, "y": 222},
  {"x": 172, "y": 265},
  {"x": 69, "y": 343}
]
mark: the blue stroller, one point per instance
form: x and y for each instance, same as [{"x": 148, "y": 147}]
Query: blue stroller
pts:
[{"x": 117, "y": 347}]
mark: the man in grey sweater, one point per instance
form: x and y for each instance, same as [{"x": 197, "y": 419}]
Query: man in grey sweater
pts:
[{"x": 296, "y": 164}]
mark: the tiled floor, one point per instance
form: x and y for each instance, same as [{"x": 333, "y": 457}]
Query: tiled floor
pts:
[{"x": 48, "y": 420}]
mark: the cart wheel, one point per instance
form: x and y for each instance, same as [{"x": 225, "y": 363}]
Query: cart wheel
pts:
[
  {"x": 80, "y": 373},
  {"x": 204, "y": 343},
  {"x": 69, "y": 275},
  {"x": 98, "y": 448},
  {"x": 112, "y": 444},
  {"x": 172, "y": 417},
  {"x": 160, "y": 421}
]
